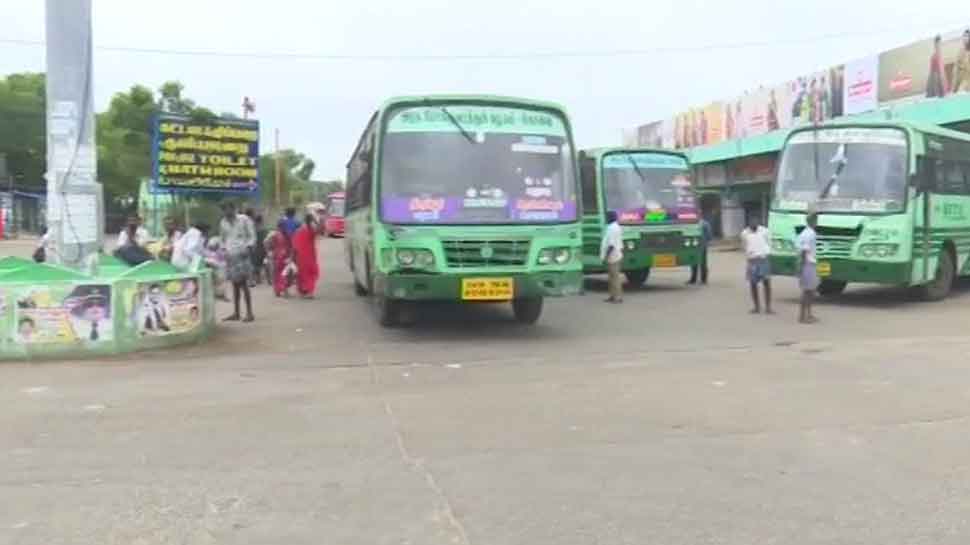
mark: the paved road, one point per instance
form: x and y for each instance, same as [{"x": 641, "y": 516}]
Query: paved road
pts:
[{"x": 675, "y": 418}]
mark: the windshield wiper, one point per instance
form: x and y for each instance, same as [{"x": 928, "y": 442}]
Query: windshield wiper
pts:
[
  {"x": 841, "y": 159},
  {"x": 636, "y": 167},
  {"x": 455, "y": 122}
]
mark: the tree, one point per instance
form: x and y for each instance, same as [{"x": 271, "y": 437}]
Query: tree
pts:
[
  {"x": 23, "y": 137},
  {"x": 297, "y": 169}
]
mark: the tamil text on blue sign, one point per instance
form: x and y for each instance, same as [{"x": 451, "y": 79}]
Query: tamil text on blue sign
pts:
[{"x": 205, "y": 155}]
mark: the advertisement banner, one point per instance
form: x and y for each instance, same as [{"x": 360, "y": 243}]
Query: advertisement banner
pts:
[
  {"x": 925, "y": 69},
  {"x": 63, "y": 314},
  {"x": 861, "y": 92},
  {"x": 205, "y": 155},
  {"x": 166, "y": 307}
]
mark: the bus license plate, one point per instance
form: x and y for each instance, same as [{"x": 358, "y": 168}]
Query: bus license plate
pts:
[
  {"x": 487, "y": 289},
  {"x": 824, "y": 268},
  {"x": 665, "y": 260}
]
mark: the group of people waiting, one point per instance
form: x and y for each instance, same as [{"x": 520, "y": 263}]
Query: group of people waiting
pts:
[
  {"x": 756, "y": 244},
  {"x": 240, "y": 254}
]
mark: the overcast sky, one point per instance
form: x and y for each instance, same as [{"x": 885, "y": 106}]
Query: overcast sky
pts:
[{"x": 321, "y": 106}]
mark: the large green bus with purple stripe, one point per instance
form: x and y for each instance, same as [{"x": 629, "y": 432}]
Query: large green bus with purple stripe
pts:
[
  {"x": 464, "y": 198},
  {"x": 893, "y": 205},
  {"x": 650, "y": 191}
]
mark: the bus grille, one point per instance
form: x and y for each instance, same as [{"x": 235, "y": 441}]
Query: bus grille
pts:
[
  {"x": 486, "y": 253},
  {"x": 662, "y": 241},
  {"x": 834, "y": 247}
]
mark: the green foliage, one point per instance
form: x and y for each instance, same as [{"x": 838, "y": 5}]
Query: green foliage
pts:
[
  {"x": 296, "y": 170},
  {"x": 23, "y": 137},
  {"x": 124, "y": 145}
]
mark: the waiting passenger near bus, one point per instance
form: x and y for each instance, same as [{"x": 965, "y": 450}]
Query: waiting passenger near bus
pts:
[
  {"x": 706, "y": 236},
  {"x": 238, "y": 238},
  {"x": 611, "y": 252},
  {"x": 756, "y": 242},
  {"x": 808, "y": 274}
]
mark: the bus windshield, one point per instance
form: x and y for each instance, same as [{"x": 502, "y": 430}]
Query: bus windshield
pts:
[
  {"x": 464, "y": 164},
  {"x": 861, "y": 170},
  {"x": 336, "y": 208},
  {"x": 648, "y": 188}
]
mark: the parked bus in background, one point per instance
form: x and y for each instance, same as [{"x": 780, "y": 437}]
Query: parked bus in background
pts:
[
  {"x": 893, "y": 204},
  {"x": 650, "y": 191},
  {"x": 333, "y": 214},
  {"x": 464, "y": 198}
]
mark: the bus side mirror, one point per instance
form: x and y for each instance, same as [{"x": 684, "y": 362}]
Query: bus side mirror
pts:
[{"x": 923, "y": 180}]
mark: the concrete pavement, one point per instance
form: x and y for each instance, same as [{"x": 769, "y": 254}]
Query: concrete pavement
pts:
[{"x": 675, "y": 418}]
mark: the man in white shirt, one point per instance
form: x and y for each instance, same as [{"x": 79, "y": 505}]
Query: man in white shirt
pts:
[
  {"x": 756, "y": 241},
  {"x": 808, "y": 273},
  {"x": 141, "y": 237},
  {"x": 189, "y": 246},
  {"x": 611, "y": 253}
]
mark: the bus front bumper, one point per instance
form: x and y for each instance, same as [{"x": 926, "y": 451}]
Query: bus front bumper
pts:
[
  {"x": 447, "y": 287},
  {"x": 638, "y": 260},
  {"x": 848, "y": 270}
]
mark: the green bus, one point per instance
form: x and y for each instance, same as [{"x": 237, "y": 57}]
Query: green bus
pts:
[
  {"x": 650, "y": 191},
  {"x": 893, "y": 200},
  {"x": 464, "y": 198}
]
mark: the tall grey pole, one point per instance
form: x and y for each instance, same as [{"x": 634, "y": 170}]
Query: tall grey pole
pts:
[{"x": 75, "y": 208}]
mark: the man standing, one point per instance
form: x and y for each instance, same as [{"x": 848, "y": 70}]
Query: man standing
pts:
[
  {"x": 611, "y": 253},
  {"x": 756, "y": 242},
  {"x": 706, "y": 236},
  {"x": 238, "y": 237},
  {"x": 807, "y": 273}
]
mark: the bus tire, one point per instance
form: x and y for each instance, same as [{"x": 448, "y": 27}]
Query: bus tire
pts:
[
  {"x": 387, "y": 310},
  {"x": 636, "y": 279},
  {"x": 527, "y": 310},
  {"x": 828, "y": 288},
  {"x": 942, "y": 283},
  {"x": 360, "y": 290}
]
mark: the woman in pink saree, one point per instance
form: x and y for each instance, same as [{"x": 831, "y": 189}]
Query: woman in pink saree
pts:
[
  {"x": 305, "y": 256},
  {"x": 278, "y": 249}
]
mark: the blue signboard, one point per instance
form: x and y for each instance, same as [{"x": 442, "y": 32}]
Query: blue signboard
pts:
[{"x": 193, "y": 155}]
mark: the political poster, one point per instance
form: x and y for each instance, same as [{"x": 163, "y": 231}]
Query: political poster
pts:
[
  {"x": 63, "y": 314},
  {"x": 165, "y": 307},
  {"x": 191, "y": 155}
]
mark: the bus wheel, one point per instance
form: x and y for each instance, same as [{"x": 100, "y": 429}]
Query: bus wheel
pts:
[
  {"x": 527, "y": 310},
  {"x": 637, "y": 279},
  {"x": 831, "y": 287},
  {"x": 939, "y": 288},
  {"x": 388, "y": 310}
]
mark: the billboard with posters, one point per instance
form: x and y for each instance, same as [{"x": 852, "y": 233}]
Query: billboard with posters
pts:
[
  {"x": 861, "y": 90},
  {"x": 929, "y": 68},
  {"x": 934, "y": 67}
]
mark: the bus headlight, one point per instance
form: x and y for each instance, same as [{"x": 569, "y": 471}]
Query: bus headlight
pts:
[
  {"x": 405, "y": 258},
  {"x": 424, "y": 259},
  {"x": 782, "y": 246},
  {"x": 878, "y": 250},
  {"x": 560, "y": 256},
  {"x": 630, "y": 245},
  {"x": 419, "y": 258}
]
